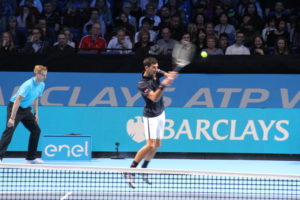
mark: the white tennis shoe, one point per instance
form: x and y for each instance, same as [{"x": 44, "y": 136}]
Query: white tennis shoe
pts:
[
  {"x": 35, "y": 161},
  {"x": 129, "y": 178},
  {"x": 147, "y": 179}
]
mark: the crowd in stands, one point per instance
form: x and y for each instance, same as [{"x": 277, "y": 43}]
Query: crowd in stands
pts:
[{"x": 220, "y": 27}]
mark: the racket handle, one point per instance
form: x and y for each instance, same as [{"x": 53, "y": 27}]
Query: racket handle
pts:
[{"x": 161, "y": 71}]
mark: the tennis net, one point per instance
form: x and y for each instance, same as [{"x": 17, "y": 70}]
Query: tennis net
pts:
[{"x": 52, "y": 182}]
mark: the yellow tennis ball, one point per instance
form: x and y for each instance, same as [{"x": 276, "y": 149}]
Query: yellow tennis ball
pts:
[{"x": 204, "y": 54}]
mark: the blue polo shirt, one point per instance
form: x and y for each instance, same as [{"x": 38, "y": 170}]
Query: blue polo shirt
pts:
[{"x": 30, "y": 90}]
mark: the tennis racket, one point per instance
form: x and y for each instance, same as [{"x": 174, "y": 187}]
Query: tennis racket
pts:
[{"x": 182, "y": 55}]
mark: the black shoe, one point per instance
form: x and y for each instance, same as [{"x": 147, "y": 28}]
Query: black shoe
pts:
[{"x": 129, "y": 178}]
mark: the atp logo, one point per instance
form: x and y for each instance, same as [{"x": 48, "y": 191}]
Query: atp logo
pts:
[{"x": 135, "y": 129}]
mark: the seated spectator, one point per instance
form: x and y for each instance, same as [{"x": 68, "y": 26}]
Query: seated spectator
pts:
[
  {"x": 93, "y": 43},
  {"x": 126, "y": 8},
  {"x": 122, "y": 22},
  {"x": 270, "y": 26},
  {"x": 165, "y": 17},
  {"x": 69, "y": 37},
  {"x": 238, "y": 48},
  {"x": 48, "y": 34},
  {"x": 223, "y": 42},
  {"x": 94, "y": 18},
  {"x": 105, "y": 13},
  {"x": 150, "y": 13},
  {"x": 6, "y": 43},
  {"x": 25, "y": 19},
  {"x": 211, "y": 49},
  {"x": 201, "y": 40},
  {"x": 209, "y": 30},
  {"x": 143, "y": 45},
  {"x": 200, "y": 21},
  {"x": 75, "y": 18},
  {"x": 176, "y": 27},
  {"x": 280, "y": 31},
  {"x": 120, "y": 44},
  {"x": 35, "y": 6},
  {"x": 257, "y": 20},
  {"x": 18, "y": 36},
  {"x": 192, "y": 30},
  {"x": 34, "y": 44},
  {"x": 135, "y": 9},
  {"x": 224, "y": 26},
  {"x": 52, "y": 17},
  {"x": 259, "y": 47},
  {"x": 281, "y": 47},
  {"x": 62, "y": 47},
  {"x": 147, "y": 25},
  {"x": 166, "y": 43}
]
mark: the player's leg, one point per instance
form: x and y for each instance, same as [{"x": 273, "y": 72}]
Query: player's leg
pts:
[{"x": 30, "y": 123}]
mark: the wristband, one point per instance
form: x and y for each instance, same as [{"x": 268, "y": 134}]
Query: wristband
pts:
[{"x": 161, "y": 86}]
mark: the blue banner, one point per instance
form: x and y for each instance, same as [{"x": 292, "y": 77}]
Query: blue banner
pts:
[
  {"x": 213, "y": 130},
  {"x": 189, "y": 90}
]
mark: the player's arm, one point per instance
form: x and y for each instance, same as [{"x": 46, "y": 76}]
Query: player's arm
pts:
[
  {"x": 15, "y": 108},
  {"x": 157, "y": 94},
  {"x": 36, "y": 109}
]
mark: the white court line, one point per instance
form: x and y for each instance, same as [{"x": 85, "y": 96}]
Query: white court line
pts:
[{"x": 66, "y": 196}]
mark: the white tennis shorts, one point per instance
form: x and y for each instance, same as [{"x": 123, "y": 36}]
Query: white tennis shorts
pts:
[{"x": 154, "y": 126}]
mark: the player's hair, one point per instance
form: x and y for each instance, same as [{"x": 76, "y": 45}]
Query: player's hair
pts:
[
  {"x": 149, "y": 61},
  {"x": 39, "y": 68}
]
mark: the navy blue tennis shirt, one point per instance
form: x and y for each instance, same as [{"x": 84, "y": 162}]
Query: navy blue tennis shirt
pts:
[{"x": 145, "y": 85}]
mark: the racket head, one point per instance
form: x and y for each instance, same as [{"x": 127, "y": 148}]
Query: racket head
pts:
[{"x": 183, "y": 53}]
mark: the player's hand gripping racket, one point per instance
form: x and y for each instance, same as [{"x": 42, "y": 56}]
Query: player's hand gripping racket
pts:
[{"x": 182, "y": 55}]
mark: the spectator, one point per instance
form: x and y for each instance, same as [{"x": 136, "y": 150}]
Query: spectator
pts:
[
  {"x": 281, "y": 47},
  {"x": 35, "y": 6},
  {"x": 7, "y": 10},
  {"x": 143, "y": 45},
  {"x": 192, "y": 30},
  {"x": 25, "y": 19},
  {"x": 295, "y": 35},
  {"x": 93, "y": 43},
  {"x": 69, "y": 36},
  {"x": 176, "y": 27},
  {"x": 120, "y": 44},
  {"x": 74, "y": 18},
  {"x": 147, "y": 25},
  {"x": 269, "y": 27},
  {"x": 209, "y": 30},
  {"x": 225, "y": 27},
  {"x": 255, "y": 18},
  {"x": 81, "y": 4},
  {"x": 35, "y": 44},
  {"x": 200, "y": 21},
  {"x": 166, "y": 43},
  {"x": 122, "y": 22},
  {"x": 94, "y": 18},
  {"x": 280, "y": 31},
  {"x": 105, "y": 13},
  {"x": 165, "y": 17},
  {"x": 150, "y": 13},
  {"x": 238, "y": 48},
  {"x": 135, "y": 11},
  {"x": 6, "y": 43},
  {"x": 126, "y": 8},
  {"x": 62, "y": 47},
  {"x": 52, "y": 17},
  {"x": 48, "y": 34},
  {"x": 211, "y": 49},
  {"x": 201, "y": 40},
  {"x": 18, "y": 36},
  {"x": 279, "y": 12},
  {"x": 223, "y": 42},
  {"x": 259, "y": 47}
]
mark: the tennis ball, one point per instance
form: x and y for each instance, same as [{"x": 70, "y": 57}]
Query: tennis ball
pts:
[{"x": 204, "y": 54}]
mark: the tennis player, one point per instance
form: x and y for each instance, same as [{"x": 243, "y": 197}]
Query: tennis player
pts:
[
  {"x": 153, "y": 116},
  {"x": 19, "y": 110}
]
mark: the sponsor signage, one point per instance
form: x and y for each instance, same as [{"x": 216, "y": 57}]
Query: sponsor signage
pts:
[
  {"x": 189, "y": 90},
  {"x": 66, "y": 147},
  {"x": 212, "y": 130}
]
